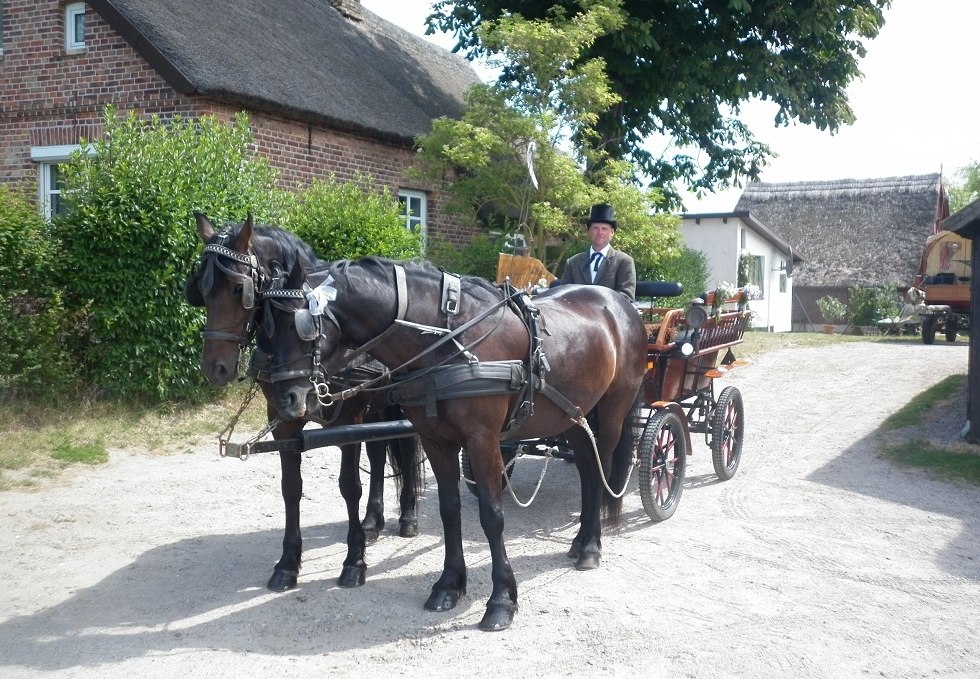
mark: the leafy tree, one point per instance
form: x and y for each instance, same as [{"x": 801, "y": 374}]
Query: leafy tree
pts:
[
  {"x": 967, "y": 187},
  {"x": 481, "y": 159},
  {"x": 682, "y": 71},
  {"x": 127, "y": 242},
  {"x": 346, "y": 220}
]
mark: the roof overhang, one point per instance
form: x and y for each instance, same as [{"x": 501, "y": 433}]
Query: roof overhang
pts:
[
  {"x": 965, "y": 222},
  {"x": 749, "y": 220}
]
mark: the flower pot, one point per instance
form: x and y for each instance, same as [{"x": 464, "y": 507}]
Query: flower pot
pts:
[{"x": 829, "y": 328}]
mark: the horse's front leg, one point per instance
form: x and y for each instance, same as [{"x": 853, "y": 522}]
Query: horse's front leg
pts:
[
  {"x": 354, "y": 571},
  {"x": 451, "y": 585},
  {"x": 374, "y": 513},
  {"x": 285, "y": 573},
  {"x": 487, "y": 465}
]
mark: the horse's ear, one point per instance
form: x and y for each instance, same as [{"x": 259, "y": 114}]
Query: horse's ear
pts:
[
  {"x": 244, "y": 238},
  {"x": 204, "y": 227},
  {"x": 296, "y": 276}
]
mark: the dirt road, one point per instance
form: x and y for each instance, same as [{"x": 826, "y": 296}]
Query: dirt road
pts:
[{"x": 816, "y": 560}]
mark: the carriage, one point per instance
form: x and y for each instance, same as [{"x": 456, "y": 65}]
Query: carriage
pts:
[{"x": 686, "y": 351}]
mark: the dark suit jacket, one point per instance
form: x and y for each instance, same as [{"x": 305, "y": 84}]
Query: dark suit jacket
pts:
[{"x": 617, "y": 271}]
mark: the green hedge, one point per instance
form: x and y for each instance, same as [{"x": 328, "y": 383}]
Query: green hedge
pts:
[{"x": 127, "y": 242}]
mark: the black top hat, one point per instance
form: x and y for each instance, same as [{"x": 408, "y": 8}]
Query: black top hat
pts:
[{"x": 602, "y": 213}]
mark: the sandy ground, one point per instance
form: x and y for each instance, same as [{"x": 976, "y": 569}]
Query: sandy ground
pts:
[{"x": 816, "y": 560}]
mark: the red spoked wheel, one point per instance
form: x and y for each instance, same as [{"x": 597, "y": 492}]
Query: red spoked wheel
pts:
[
  {"x": 727, "y": 432},
  {"x": 663, "y": 462}
]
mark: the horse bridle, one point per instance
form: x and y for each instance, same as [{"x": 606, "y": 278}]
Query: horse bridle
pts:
[{"x": 252, "y": 284}]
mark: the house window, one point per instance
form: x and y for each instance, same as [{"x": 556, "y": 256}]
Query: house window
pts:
[
  {"x": 48, "y": 159},
  {"x": 412, "y": 204},
  {"x": 782, "y": 282},
  {"x": 75, "y": 27},
  {"x": 755, "y": 271},
  {"x": 49, "y": 190}
]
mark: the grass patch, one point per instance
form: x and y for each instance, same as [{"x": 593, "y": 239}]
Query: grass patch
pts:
[
  {"x": 41, "y": 440},
  {"x": 88, "y": 453},
  {"x": 949, "y": 464},
  {"x": 915, "y": 410},
  {"x": 756, "y": 342}
]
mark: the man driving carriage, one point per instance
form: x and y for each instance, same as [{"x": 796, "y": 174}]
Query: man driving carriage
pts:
[{"x": 602, "y": 264}]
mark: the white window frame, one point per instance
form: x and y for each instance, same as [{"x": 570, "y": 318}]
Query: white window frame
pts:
[
  {"x": 414, "y": 223},
  {"x": 46, "y": 157},
  {"x": 74, "y": 43}
]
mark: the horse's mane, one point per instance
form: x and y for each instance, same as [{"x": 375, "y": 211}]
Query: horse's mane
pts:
[{"x": 290, "y": 247}]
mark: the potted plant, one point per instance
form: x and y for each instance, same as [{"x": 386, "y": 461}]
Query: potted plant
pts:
[{"x": 833, "y": 311}]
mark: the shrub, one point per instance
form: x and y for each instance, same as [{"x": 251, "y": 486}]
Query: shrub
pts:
[
  {"x": 832, "y": 309},
  {"x": 34, "y": 329},
  {"x": 347, "y": 220},
  {"x": 690, "y": 268},
  {"x": 477, "y": 258},
  {"x": 870, "y": 305},
  {"x": 128, "y": 242}
]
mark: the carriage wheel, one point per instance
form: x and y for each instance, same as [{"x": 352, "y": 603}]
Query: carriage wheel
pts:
[
  {"x": 637, "y": 420},
  {"x": 928, "y": 329},
  {"x": 727, "y": 431},
  {"x": 467, "y": 468},
  {"x": 663, "y": 461}
]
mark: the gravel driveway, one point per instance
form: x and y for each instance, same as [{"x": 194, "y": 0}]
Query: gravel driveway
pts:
[{"x": 816, "y": 560}]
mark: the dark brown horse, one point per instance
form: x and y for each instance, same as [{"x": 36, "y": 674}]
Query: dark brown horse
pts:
[
  {"x": 462, "y": 379},
  {"x": 236, "y": 266}
]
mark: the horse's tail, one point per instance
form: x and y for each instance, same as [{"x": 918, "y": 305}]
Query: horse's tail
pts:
[
  {"x": 406, "y": 458},
  {"x": 622, "y": 464}
]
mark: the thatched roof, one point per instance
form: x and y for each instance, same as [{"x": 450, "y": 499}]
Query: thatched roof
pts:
[
  {"x": 852, "y": 231},
  {"x": 328, "y": 62}
]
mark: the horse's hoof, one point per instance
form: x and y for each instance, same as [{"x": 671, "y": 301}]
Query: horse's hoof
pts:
[
  {"x": 574, "y": 551},
  {"x": 408, "y": 529},
  {"x": 442, "y": 600},
  {"x": 498, "y": 617},
  {"x": 282, "y": 581},
  {"x": 587, "y": 561},
  {"x": 352, "y": 576},
  {"x": 372, "y": 527}
]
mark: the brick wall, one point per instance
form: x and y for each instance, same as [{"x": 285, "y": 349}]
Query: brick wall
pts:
[{"x": 52, "y": 98}]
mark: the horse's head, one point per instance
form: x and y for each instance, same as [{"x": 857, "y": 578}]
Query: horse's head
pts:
[
  {"x": 305, "y": 338},
  {"x": 225, "y": 282}
]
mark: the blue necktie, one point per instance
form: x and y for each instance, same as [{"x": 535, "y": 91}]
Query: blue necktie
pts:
[{"x": 594, "y": 260}]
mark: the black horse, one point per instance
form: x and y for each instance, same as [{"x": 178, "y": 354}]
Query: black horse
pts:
[
  {"x": 469, "y": 371},
  {"x": 235, "y": 267}
]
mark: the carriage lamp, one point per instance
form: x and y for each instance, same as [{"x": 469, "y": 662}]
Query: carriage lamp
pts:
[{"x": 696, "y": 316}]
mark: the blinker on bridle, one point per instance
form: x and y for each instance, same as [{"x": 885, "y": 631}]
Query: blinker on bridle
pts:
[{"x": 251, "y": 283}]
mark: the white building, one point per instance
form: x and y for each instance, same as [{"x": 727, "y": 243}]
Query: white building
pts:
[{"x": 731, "y": 239}]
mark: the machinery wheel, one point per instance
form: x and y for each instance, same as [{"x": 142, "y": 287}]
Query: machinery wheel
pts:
[
  {"x": 467, "y": 469},
  {"x": 928, "y": 329},
  {"x": 951, "y": 329},
  {"x": 727, "y": 432},
  {"x": 663, "y": 461}
]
